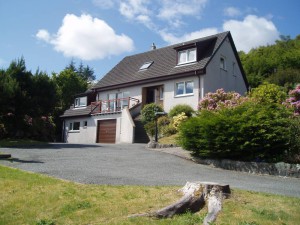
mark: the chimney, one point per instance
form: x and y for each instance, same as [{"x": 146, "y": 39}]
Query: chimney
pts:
[{"x": 153, "y": 46}]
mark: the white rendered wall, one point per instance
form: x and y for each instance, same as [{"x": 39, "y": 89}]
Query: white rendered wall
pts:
[
  {"x": 127, "y": 127},
  {"x": 89, "y": 134}
]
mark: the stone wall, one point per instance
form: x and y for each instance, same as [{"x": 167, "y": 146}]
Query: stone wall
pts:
[{"x": 277, "y": 169}]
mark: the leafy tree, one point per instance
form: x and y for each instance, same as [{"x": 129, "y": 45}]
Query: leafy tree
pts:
[
  {"x": 261, "y": 63},
  {"x": 68, "y": 84}
]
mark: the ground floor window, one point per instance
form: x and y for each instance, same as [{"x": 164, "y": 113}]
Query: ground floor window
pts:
[
  {"x": 184, "y": 88},
  {"x": 74, "y": 126}
]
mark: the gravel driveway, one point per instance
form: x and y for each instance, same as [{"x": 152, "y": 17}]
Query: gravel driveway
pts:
[{"x": 132, "y": 164}]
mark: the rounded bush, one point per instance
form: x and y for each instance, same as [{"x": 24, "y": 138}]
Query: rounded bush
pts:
[
  {"x": 181, "y": 108},
  {"x": 148, "y": 112},
  {"x": 251, "y": 131}
]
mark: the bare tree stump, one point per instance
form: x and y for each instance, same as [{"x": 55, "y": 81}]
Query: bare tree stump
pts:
[{"x": 195, "y": 194}]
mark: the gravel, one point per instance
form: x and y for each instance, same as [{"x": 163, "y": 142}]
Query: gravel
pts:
[{"x": 133, "y": 164}]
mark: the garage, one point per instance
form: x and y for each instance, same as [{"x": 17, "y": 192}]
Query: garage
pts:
[{"x": 106, "y": 131}]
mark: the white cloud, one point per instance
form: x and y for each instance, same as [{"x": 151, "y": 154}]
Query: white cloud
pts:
[
  {"x": 86, "y": 38},
  {"x": 232, "y": 12},
  {"x": 133, "y": 8},
  {"x": 43, "y": 35},
  {"x": 172, "y": 39},
  {"x": 174, "y": 9},
  {"x": 252, "y": 32},
  {"x": 249, "y": 33}
]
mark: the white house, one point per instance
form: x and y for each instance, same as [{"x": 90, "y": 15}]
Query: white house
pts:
[{"x": 176, "y": 74}]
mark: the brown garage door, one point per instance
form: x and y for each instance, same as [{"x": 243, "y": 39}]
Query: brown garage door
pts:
[{"x": 106, "y": 131}]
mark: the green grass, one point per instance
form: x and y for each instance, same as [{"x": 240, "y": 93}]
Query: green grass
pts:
[
  {"x": 19, "y": 142},
  {"x": 28, "y": 198},
  {"x": 168, "y": 140}
]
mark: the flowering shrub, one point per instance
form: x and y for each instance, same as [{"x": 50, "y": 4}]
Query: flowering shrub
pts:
[
  {"x": 177, "y": 120},
  {"x": 294, "y": 100},
  {"x": 221, "y": 99}
]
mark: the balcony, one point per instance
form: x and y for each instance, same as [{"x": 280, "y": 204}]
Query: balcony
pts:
[{"x": 113, "y": 105}]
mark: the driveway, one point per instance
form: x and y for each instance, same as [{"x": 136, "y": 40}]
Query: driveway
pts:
[{"x": 132, "y": 164}]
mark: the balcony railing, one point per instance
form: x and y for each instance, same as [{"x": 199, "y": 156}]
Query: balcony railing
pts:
[{"x": 113, "y": 105}]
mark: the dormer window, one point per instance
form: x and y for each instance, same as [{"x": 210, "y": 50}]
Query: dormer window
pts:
[
  {"x": 80, "y": 102},
  {"x": 187, "y": 56},
  {"x": 146, "y": 65}
]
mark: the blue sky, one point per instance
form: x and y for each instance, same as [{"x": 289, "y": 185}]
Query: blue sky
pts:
[{"x": 99, "y": 33}]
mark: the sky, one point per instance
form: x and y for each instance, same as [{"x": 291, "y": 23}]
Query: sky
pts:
[{"x": 100, "y": 33}]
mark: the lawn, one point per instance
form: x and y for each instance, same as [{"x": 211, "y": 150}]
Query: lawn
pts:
[
  {"x": 10, "y": 142},
  {"x": 28, "y": 198}
]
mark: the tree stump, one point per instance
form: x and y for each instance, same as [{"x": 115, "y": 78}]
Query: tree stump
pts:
[{"x": 195, "y": 195}]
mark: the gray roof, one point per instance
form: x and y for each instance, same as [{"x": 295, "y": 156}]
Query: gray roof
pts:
[
  {"x": 164, "y": 64},
  {"x": 77, "y": 112}
]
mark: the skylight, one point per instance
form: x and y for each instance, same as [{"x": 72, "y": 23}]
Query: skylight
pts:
[{"x": 146, "y": 65}]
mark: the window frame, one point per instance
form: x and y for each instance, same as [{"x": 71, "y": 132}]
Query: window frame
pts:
[
  {"x": 72, "y": 126},
  {"x": 223, "y": 63},
  {"x": 187, "y": 53},
  {"x": 80, "y": 102},
  {"x": 184, "y": 88},
  {"x": 146, "y": 65}
]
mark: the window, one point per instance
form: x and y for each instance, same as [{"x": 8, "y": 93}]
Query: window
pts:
[
  {"x": 187, "y": 56},
  {"x": 80, "y": 102},
  {"x": 233, "y": 69},
  {"x": 184, "y": 88},
  {"x": 74, "y": 126},
  {"x": 161, "y": 93},
  {"x": 223, "y": 63},
  {"x": 146, "y": 65}
]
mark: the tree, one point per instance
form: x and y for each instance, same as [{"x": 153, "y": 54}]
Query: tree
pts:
[{"x": 68, "y": 84}]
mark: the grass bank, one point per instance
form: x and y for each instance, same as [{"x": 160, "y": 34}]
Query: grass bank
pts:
[
  {"x": 28, "y": 198},
  {"x": 19, "y": 142}
]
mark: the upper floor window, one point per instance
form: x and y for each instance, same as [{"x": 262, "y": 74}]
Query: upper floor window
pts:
[
  {"x": 184, "y": 88},
  {"x": 223, "y": 63},
  {"x": 80, "y": 102},
  {"x": 187, "y": 56}
]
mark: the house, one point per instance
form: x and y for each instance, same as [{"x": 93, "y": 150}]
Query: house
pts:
[{"x": 176, "y": 74}]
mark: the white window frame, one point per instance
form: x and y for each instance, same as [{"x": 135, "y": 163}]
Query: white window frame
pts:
[
  {"x": 187, "y": 53},
  {"x": 80, "y": 102},
  {"x": 161, "y": 93},
  {"x": 184, "y": 88},
  {"x": 71, "y": 126},
  {"x": 223, "y": 63}
]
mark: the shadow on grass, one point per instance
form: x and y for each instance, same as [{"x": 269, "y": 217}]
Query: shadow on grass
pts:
[
  {"x": 54, "y": 146},
  {"x": 21, "y": 160}
]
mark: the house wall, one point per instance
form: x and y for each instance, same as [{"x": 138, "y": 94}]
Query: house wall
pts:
[
  {"x": 127, "y": 127},
  {"x": 89, "y": 134},
  {"x": 170, "y": 99},
  {"x": 228, "y": 79}
]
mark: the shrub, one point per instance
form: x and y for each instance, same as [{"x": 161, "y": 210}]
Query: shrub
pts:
[
  {"x": 294, "y": 100},
  {"x": 268, "y": 93},
  {"x": 251, "y": 131},
  {"x": 150, "y": 128},
  {"x": 179, "y": 119},
  {"x": 148, "y": 112},
  {"x": 181, "y": 108},
  {"x": 220, "y": 99}
]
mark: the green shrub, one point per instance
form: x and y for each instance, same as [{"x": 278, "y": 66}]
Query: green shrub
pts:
[
  {"x": 268, "y": 93},
  {"x": 148, "y": 112},
  {"x": 177, "y": 109},
  {"x": 293, "y": 154},
  {"x": 150, "y": 128},
  {"x": 251, "y": 131}
]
